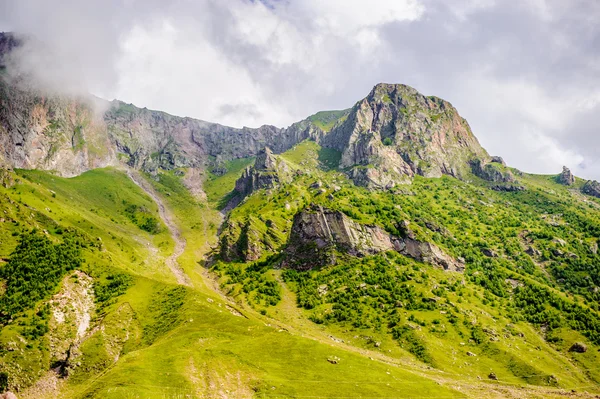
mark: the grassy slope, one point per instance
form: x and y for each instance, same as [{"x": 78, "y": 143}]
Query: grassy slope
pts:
[
  {"x": 181, "y": 341},
  {"x": 515, "y": 359},
  {"x": 187, "y": 341}
]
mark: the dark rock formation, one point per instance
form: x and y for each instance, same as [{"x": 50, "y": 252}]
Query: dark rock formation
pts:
[
  {"x": 507, "y": 187},
  {"x": 566, "y": 177},
  {"x": 591, "y": 187},
  {"x": 578, "y": 347},
  {"x": 497, "y": 159},
  {"x": 489, "y": 253},
  {"x": 317, "y": 233},
  {"x": 491, "y": 172}
]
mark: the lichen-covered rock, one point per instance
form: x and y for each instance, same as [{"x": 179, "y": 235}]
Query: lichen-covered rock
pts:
[
  {"x": 591, "y": 187},
  {"x": 566, "y": 177},
  {"x": 319, "y": 233},
  {"x": 398, "y": 132}
]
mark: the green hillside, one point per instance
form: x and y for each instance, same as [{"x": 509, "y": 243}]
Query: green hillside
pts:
[{"x": 381, "y": 325}]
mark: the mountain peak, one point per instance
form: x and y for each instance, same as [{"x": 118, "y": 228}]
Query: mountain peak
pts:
[{"x": 396, "y": 132}]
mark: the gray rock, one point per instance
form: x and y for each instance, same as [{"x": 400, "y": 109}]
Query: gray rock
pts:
[
  {"x": 566, "y": 177},
  {"x": 424, "y": 136},
  {"x": 491, "y": 172},
  {"x": 591, "y": 187},
  {"x": 497, "y": 159},
  {"x": 532, "y": 251},
  {"x": 578, "y": 347},
  {"x": 268, "y": 172},
  {"x": 318, "y": 232}
]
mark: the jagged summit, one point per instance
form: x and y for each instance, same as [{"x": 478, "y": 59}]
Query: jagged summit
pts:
[{"x": 400, "y": 133}]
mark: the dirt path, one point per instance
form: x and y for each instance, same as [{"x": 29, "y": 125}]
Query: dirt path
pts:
[{"x": 167, "y": 218}]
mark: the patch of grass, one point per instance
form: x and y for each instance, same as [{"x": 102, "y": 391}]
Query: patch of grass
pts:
[{"x": 326, "y": 120}]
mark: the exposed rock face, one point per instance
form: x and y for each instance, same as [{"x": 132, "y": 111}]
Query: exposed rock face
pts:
[
  {"x": 396, "y": 132},
  {"x": 591, "y": 187},
  {"x": 566, "y": 177},
  {"x": 491, "y": 172},
  {"x": 153, "y": 139},
  {"x": 317, "y": 232},
  {"x": 268, "y": 172},
  {"x": 51, "y": 132}
]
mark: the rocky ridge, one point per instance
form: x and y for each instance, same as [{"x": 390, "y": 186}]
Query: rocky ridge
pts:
[
  {"x": 385, "y": 139},
  {"x": 318, "y": 233}
]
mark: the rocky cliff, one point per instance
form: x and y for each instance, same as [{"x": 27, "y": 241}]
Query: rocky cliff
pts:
[
  {"x": 318, "y": 234},
  {"x": 396, "y": 132},
  {"x": 51, "y": 132}
]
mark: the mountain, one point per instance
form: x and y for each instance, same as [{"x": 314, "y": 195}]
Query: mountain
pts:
[{"x": 376, "y": 251}]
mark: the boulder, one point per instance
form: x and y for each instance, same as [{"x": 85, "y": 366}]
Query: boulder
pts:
[
  {"x": 489, "y": 253},
  {"x": 578, "y": 347},
  {"x": 531, "y": 251}
]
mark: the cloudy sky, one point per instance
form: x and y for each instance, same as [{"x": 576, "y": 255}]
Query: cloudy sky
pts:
[{"x": 524, "y": 73}]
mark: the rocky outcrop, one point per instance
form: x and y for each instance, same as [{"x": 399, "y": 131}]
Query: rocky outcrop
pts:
[
  {"x": 152, "y": 139},
  {"x": 566, "y": 177},
  {"x": 491, "y": 172},
  {"x": 509, "y": 188},
  {"x": 268, "y": 172},
  {"x": 318, "y": 234},
  {"x": 397, "y": 133},
  {"x": 497, "y": 159},
  {"x": 38, "y": 131},
  {"x": 591, "y": 187}
]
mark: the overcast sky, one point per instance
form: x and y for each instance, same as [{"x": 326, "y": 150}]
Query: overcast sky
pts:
[{"x": 524, "y": 73}]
